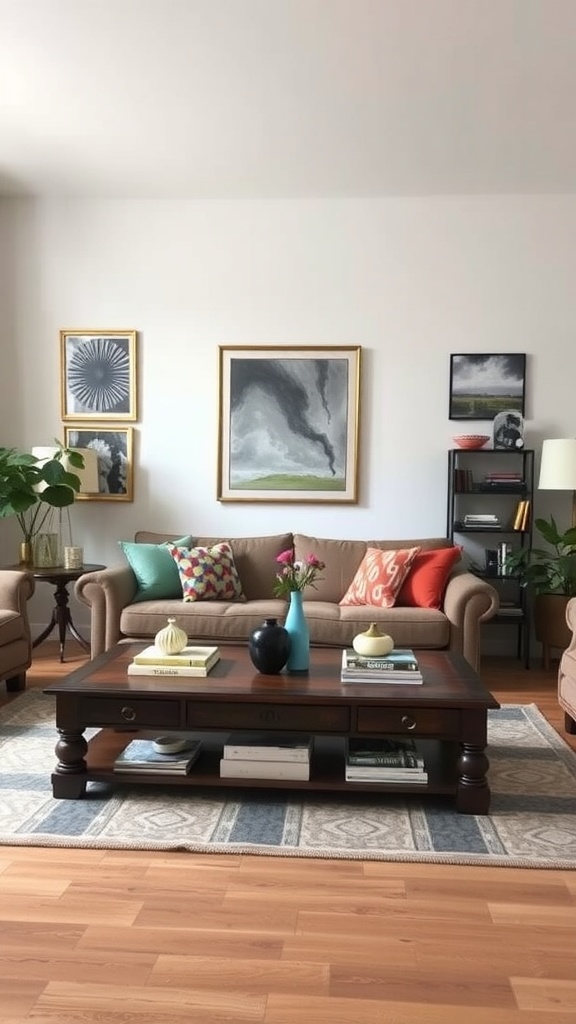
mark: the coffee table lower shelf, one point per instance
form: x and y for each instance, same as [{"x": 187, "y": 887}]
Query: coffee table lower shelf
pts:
[{"x": 326, "y": 770}]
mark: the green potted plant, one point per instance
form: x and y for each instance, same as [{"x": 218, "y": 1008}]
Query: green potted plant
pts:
[
  {"x": 551, "y": 574},
  {"x": 31, "y": 488}
]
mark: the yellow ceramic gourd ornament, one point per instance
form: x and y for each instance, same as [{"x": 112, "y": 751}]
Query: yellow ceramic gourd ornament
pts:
[{"x": 373, "y": 643}]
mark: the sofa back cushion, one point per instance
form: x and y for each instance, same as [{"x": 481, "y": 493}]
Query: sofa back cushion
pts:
[{"x": 343, "y": 557}]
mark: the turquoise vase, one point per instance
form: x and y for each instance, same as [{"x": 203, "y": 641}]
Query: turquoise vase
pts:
[{"x": 297, "y": 628}]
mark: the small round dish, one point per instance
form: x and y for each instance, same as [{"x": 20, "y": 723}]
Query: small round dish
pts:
[
  {"x": 170, "y": 744},
  {"x": 471, "y": 440}
]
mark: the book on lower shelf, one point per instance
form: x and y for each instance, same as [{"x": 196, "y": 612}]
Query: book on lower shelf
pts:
[
  {"x": 231, "y": 768},
  {"x": 190, "y": 657},
  {"x": 400, "y": 666},
  {"x": 260, "y": 746},
  {"x": 141, "y": 757},
  {"x": 384, "y": 760}
]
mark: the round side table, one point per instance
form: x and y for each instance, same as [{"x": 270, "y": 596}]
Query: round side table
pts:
[{"x": 60, "y": 579}]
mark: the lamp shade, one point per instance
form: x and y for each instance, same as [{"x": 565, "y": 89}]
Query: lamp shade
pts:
[
  {"x": 88, "y": 476},
  {"x": 558, "y": 465}
]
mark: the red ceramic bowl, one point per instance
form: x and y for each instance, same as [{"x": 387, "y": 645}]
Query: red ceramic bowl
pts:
[{"x": 471, "y": 440}]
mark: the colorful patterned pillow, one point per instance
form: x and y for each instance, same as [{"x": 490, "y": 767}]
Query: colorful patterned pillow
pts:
[
  {"x": 207, "y": 574},
  {"x": 379, "y": 577}
]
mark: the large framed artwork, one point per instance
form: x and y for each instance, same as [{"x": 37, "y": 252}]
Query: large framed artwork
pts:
[
  {"x": 113, "y": 447},
  {"x": 481, "y": 386},
  {"x": 288, "y": 424},
  {"x": 98, "y": 375}
]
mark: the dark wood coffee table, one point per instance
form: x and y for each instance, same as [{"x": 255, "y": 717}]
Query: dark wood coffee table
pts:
[{"x": 447, "y": 715}]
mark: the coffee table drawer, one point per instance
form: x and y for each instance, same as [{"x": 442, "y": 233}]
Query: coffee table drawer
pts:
[
  {"x": 208, "y": 715},
  {"x": 424, "y": 721},
  {"x": 107, "y": 711}
]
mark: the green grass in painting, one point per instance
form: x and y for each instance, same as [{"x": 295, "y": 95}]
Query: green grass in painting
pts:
[
  {"x": 482, "y": 407},
  {"x": 286, "y": 482}
]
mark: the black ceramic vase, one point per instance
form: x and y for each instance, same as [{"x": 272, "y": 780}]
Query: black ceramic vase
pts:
[{"x": 269, "y": 647}]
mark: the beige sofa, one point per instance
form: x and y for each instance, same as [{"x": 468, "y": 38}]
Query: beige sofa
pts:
[
  {"x": 567, "y": 673},
  {"x": 115, "y": 615},
  {"x": 16, "y": 588}
]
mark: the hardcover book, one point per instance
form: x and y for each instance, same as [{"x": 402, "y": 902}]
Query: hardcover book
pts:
[
  {"x": 141, "y": 756},
  {"x": 169, "y": 670},
  {"x": 194, "y": 657},
  {"x": 400, "y": 665},
  {"x": 256, "y": 746},
  {"x": 233, "y": 769}
]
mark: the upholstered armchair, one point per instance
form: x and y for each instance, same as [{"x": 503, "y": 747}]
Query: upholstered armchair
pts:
[
  {"x": 16, "y": 588},
  {"x": 567, "y": 673}
]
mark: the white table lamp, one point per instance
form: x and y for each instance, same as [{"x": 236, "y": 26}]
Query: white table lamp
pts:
[{"x": 558, "y": 468}]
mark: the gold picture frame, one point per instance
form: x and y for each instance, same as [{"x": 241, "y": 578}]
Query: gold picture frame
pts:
[
  {"x": 98, "y": 375},
  {"x": 288, "y": 426},
  {"x": 114, "y": 448}
]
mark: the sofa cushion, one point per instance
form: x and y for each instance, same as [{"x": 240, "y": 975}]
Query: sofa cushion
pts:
[
  {"x": 207, "y": 574},
  {"x": 379, "y": 577},
  {"x": 154, "y": 568},
  {"x": 426, "y": 582}
]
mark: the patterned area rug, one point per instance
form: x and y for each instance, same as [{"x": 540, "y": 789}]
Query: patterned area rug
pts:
[{"x": 532, "y": 821}]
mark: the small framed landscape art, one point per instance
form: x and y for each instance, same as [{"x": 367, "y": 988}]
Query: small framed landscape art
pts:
[
  {"x": 113, "y": 447},
  {"x": 483, "y": 385},
  {"x": 288, "y": 424},
  {"x": 98, "y": 375}
]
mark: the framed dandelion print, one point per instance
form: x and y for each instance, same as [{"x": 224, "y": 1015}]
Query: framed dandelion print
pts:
[
  {"x": 113, "y": 447},
  {"x": 98, "y": 375},
  {"x": 289, "y": 423}
]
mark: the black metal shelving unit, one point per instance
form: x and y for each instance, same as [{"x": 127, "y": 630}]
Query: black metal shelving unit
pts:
[{"x": 472, "y": 492}]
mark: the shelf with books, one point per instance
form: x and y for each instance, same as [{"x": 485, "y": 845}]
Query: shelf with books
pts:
[{"x": 496, "y": 484}]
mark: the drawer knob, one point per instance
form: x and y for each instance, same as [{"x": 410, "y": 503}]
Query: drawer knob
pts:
[
  {"x": 408, "y": 722},
  {"x": 128, "y": 713}
]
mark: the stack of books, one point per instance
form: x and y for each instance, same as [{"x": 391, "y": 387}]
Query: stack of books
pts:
[
  {"x": 400, "y": 666},
  {"x": 266, "y": 756},
  {"x": 385, "y": 760},
  {"x": 142, "y": 757},
  {"x": 521, "y": 519},
  {"x": 192, "y": 661},
  {"x": 481, "y": 521}
]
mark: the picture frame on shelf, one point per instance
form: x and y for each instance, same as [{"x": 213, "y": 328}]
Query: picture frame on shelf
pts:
[
  {"x": 98, "y": 375},
  {"x": 485, "y": 384},
  {"x": 288, "y": 423},
  {"x": 114, "y": 449}
]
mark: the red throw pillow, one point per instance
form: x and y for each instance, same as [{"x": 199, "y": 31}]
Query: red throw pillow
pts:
[
  {"x": 425, "y": 583},
  {"x": 379, "y": 577}
]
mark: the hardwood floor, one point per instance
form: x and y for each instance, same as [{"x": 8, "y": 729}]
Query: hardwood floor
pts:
[{"x": 117, "y": 937}]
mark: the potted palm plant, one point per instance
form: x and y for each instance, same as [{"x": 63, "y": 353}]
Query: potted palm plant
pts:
[
  {"x": 551, "y": 574},
  {"x": 31, "y": 488}
]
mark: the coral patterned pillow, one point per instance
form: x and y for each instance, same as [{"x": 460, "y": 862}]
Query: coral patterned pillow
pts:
[
  {"x": 207, "y": 574},
  {"x": 426, "y": 582},
  {"x": 379, "y": 577}
]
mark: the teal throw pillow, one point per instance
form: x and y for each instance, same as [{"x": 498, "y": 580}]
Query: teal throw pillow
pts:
[{"x": 155, "y": 570}]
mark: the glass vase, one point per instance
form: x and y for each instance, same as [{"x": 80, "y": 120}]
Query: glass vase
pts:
[{"x": 297, "y": 628}]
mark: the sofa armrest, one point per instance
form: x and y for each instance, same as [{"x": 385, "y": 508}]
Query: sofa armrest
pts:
[
  {"x": 468, "y": 601},
  {"x": 16, "y": 588},
  {"x": 106, "y": 592},
  {"x": 571, "y": 621}
]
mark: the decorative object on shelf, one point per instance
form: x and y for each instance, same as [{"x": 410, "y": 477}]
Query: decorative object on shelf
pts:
[
  {"x": 558, "y": 468},
  {"x": 98, "y": 375},
  {"x": 297, "y": 629},
  {"x": 171, "y": 639},
  {"x": 302, "y": 402},
  {"x": 482, "y": 385},
  {"x": 471, "y": 441},
  {"x": 32, "y": 487},
  {"x": 112, "y": 448},
  {"x": 372, "y": 643},
  {"x": 508, "y": 430},
  {"x": 269, "y": 647}
]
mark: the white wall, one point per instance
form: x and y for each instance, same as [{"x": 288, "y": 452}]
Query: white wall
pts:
[{"x": 410, "y": 280}]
